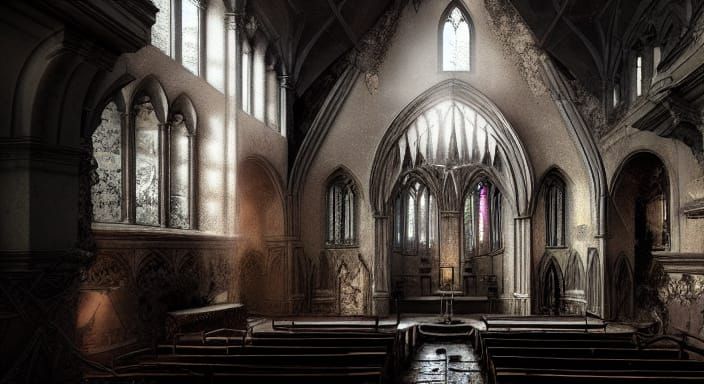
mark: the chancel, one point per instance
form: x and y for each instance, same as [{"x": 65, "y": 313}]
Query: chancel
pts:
[{"x": 368, "y": 191}]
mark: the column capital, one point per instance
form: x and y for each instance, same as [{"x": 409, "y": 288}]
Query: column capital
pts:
[
  {"x": 286, "y": 81},
  {"x": 234, "y": 21}
]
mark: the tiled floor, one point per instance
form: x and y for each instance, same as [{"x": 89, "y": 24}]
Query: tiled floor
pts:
[{"x": 439, "y": 362}]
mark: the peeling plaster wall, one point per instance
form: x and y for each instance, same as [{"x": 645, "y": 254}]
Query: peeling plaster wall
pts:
[{"x": 411, "y": 67}]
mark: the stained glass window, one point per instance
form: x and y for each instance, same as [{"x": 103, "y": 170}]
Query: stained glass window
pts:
[
  {"x": 161, "y": 30},
  {"x": 107, "y": 151},
  {"x": 190, "y": 35},
  {"x": 179, "y": 216},
  {"x": 146, "y": 163},
  {"x": 455, "y": 42},
  {"x": 482, "y": 220},
  {"x": 415, "y": 218}
]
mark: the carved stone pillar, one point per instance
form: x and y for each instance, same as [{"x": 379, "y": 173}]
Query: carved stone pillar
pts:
[
  {"x": 233, "y": 22},
  {"x": 521, "y": 266},
  {"x": 382, "y": 266}
]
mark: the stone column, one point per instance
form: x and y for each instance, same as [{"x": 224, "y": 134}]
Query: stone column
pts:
[
  {"x": 382, "y": 268},
  {"x": 285, "y": 84},
  {"x": 521, "y": 266},
  {"x": 233, "y": 18}
]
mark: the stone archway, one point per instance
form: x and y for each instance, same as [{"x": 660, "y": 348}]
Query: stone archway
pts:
[{"x": 487, "y": 143}]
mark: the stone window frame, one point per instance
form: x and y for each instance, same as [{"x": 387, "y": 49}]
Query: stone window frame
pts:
[
  {"x": 181, "y": 111},
  {"x": 472, "y": 32},
  {"x": 341, "y": 213},
  {"x": 555, "y": 236}
]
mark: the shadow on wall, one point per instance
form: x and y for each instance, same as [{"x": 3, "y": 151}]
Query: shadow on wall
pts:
[{"x": 261, "y": 224}]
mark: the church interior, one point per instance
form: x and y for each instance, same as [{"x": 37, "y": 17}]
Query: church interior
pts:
[{"x": 368, "y": 191}]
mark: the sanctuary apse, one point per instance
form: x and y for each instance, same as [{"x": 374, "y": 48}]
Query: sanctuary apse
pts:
[{"x": 171, "y": 167}]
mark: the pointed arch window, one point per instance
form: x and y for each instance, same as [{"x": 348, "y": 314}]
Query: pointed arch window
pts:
[
  {"x": 482, "y": 220},
  {"x": 455, "y": 39},
  {"x": 147, "y": 162},
  {"x": 415, "y": 218},
  {"x": 341, "y": 212},
  {"x": 145, "y": 165},
  {"x": 555, "y": 212}
]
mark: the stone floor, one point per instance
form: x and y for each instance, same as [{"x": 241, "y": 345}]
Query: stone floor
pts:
[{"x": 442, "y": 363}]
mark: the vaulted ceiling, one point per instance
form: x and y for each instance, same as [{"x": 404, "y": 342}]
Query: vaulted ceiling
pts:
[
  {"x": 312, "y": 34},
  {"x": 590, "y": 37}
]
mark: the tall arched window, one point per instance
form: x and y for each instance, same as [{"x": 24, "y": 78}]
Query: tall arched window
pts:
[
  {"x": 415, "y": 219},
  {"x": 341, "y": 212},
  {"x": 147, "y": 151},
  {"x": 107, "y": 151},
  {"x": 180, "y": 174},
  {"x": 455, "y": 42},
  {"x": 482, "y": 220},
  {"x": 554, "y": 212}
]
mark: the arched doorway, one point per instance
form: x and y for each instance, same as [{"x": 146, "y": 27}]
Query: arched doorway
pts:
[
  {"x": 446, "y": 174},
  {"x": 639, "y": 223}
]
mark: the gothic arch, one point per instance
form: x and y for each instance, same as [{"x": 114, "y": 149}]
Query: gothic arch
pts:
[
  {"x": 184, "y": 106},
  {"x": 150, "y": 86},
  {"x": 451, "y": 133},
  {"x": 518, "y": 183},
  {"x": 595, "y": 285},
  {"x": 622, "y": 289},
  {"x": 551, "y": 285},
  {"x": 574, "y": 273}
]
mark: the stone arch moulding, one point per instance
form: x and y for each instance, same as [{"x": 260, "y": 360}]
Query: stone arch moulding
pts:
[
  {"x": 150, "y": 86},
  {"x": 184, "y": 106},
  {"x": 517, "y": 183},
  {"x": 273, "y": 175},
  {"x": 586, "y": 144},
  {"x": 520, "y": 184},
  {"x": 546, "y": 262}
]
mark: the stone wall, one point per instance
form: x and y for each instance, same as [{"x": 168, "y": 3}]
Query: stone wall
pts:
[{"x": 138, "y": 276}]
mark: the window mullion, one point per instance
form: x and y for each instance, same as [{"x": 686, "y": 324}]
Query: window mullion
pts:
[
  {"x": 164, "y": 173},
  {"x": 131, "y": 179}
]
